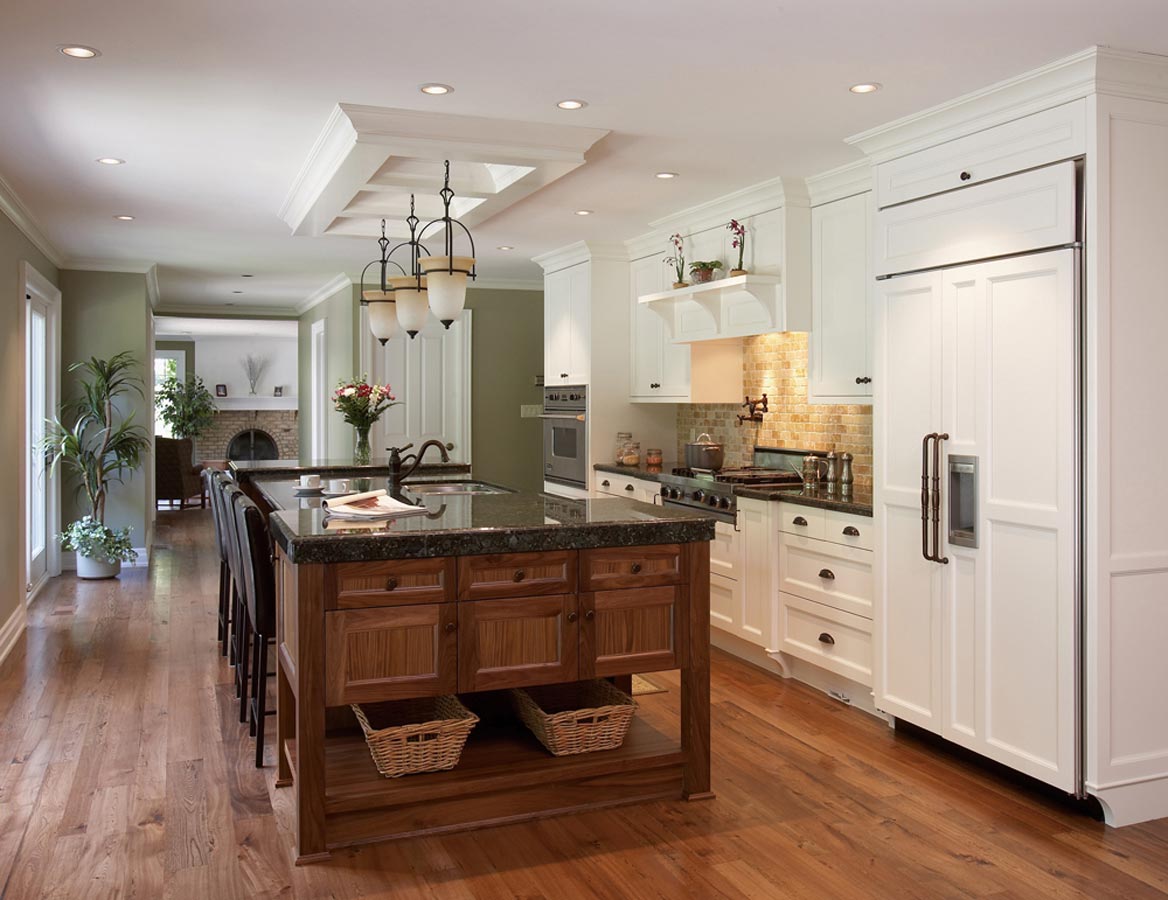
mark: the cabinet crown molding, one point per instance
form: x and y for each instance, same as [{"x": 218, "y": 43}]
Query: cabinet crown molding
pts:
[
  {"x": 840, "y": 182},
  {"x": 581, "y": 251}
]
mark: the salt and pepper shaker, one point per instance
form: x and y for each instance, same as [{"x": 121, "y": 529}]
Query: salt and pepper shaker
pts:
[
  {"x": 831, "y": 476},
  {"x": 846, "y": 478}
]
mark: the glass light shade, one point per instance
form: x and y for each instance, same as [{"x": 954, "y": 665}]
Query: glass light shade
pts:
[
  {"x": 447, "y": 289},
  {"x": 413, "y": 305},
  {"x": 382, "y": 314}
]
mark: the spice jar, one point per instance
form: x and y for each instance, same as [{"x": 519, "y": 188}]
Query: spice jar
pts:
[
  {"x": 653, "y": 457},
  {"x": 622, "y": 438},
  {"x": 632, "y": 454}
]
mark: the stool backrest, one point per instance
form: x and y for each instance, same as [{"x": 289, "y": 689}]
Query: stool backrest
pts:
[
  {"x": 230, "y": 495},
  {"x": 211, "y": 480},
  {"x": 255, "y": 549}
]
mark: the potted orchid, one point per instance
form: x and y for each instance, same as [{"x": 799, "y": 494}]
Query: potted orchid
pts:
[
  {"x": 737, "y": 229},
  {"x": 361, "y": 404},
  {"x": 677, "y": 260}
]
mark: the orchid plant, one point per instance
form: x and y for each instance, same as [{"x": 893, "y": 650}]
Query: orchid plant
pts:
[
  {"x": 737, "y": 229},
  {"x": 677, "y": 260}
]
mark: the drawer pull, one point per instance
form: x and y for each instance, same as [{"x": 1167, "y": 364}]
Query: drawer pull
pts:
[
  {"x": 604, "y": 483},
  {"x": 451, "y": 627},
  {"x": 852, "y": 531},
  {"x": 826, "y": 638},
  {"x": 391, "y": 583},
  {"x": 590, "y": 615},
  {"x": 573, "y": 616},
  {"x": 827, "y": 573},
  {"x": 635, "y": 568},
  {"x": 518, "y": 576},
  {"x": 629, "y": 487},
  {"x": 799, "y": 520}
]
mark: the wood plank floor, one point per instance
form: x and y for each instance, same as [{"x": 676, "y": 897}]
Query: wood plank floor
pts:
[{"x": 129, "y": 776}]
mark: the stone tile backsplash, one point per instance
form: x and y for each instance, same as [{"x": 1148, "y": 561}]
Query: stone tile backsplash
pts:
[{"x": 776, "y": 364}]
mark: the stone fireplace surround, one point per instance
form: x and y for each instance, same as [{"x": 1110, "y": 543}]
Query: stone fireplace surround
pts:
[{"x": 281, "y": 424}]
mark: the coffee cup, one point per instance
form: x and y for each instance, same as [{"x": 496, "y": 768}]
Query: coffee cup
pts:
[
  {"x": 308, "y": 482},
  {"x": 338, "y": 485}
]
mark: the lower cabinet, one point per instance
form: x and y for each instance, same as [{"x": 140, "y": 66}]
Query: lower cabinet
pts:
[
  {"x": 639, "y": 630},
  {"x": 517, "y": 641},
  {"x": 628, "y": 487},
  {"x": 831, "y": 639}
]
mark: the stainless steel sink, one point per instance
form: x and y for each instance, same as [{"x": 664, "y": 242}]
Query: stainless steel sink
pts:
[{"x": 455, "y": 487}]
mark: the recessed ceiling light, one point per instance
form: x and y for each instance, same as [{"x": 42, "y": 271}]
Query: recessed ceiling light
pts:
[
  {"x": 247, "y": 276},
  {"x": 572, "y": 104},
  {"x": 583, "y": 212},
  {"x": 435, "y": 89},
  {"x": 79, "y": 51},
  {"x": 866, "y": 88},
  {"x": 504, "y": 247},
  {"x": 111, "y": 161},
  {"x": 124, "y": 218},
  {"x": 237, "y": 292},
  {"x": 666, "y": 174}
]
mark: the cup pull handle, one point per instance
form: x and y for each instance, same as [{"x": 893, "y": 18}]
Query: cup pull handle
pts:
[
  {"x": 798, "y": 520},
  {"x": 604, "y": 483},
  {"x": 852, "y": 531},
  {"x": 827, "y": 573},
  {"x": 826, "y": 638},
  {"x": 629, "y": 487}
]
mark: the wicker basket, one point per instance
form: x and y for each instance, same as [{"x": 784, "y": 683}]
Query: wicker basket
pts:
[
  {"x": 425, "y": 735},
  {"x": 576, "y": 718}
]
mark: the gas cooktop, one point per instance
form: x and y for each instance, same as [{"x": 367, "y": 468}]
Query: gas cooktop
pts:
[{"x": 743, "y": 475}]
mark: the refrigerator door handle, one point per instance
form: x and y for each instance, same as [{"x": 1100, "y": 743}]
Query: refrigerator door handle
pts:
[
  {"x": 925, "y": 496},
  {"x": 936, "y": 554}
]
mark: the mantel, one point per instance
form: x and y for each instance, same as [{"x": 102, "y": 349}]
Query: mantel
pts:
[{"x": 727, "y": 308}]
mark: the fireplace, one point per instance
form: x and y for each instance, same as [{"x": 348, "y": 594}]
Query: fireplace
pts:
[
  {"x": 253, "y": 444},
  {"x": 251, "y": 434}
]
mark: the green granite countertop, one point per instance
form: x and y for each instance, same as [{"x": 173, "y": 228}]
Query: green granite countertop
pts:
[
  {"x": 252, "y": 469},
  {"x": 458, "y": 525}
]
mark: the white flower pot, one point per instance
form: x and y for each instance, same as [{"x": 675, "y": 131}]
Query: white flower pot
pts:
[{"x": 92, "y": 569}]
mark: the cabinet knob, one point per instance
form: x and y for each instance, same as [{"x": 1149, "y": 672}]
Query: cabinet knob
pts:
[
  {"x": 799, "y": 520},
  {"x": 451, "y": 627},
  {"x": 863, "y": 379},
  {"x": 852, "y": 531},
  {"x": 965, "y": 176},
  {"x": 635, "y": 568},
  {"x": 826, "y": 638},
  {"x": 390, "y": 583},
  {"x": 629, "y": 488},
  {"x": 590, "y": 615},
  {"x": 563, "y": 374},
  {"x": 573, "y": 616},
  {"x": 827, "y": 573},
  {"x": 518, "y": 576}
]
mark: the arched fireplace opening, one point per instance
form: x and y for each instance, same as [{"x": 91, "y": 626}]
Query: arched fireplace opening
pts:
[{"x": 253, "y": 444}]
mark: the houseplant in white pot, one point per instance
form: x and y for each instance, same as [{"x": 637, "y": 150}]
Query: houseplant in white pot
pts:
[{"x": 99, "y": 445}]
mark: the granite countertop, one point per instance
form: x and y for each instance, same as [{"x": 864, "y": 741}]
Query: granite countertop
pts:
[
  {"x": 246, "y": 470},
  {"x": 457, "y": 525},
  {"x": 649, "y": 473}
]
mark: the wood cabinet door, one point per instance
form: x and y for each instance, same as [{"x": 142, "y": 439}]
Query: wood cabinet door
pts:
[
  {"x": 517, "y": 641},
  {"x": 630, "y": 631},
  {"x": 391, "y": 653}
]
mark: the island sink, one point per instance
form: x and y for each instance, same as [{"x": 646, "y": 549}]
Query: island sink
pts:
[{"x": 423, "y": 488}]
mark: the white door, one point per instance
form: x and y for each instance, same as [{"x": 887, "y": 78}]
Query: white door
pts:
[
  {"x": 907, "y": 406},
  {"x": 41, "y": 391},
  {"x": 1008, "y": 605},
  {"x": 321, "y": 402},
  {"x": 430, "y": 376}
]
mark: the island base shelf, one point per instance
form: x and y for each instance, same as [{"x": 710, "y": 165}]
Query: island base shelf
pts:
[{"x": 504, "y": 776}]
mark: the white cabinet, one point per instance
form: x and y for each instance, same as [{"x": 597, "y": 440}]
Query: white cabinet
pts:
[
  {"x": 627, "y": 486},
  {"x": 839, "y": 356},
  {"x": 741, "y": 583},
  {"x": 567, "y": 325},
  {"x": 659, "y": 368}
]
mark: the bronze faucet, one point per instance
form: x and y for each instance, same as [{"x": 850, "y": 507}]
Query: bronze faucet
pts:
[{"x": 413, "y": 460}]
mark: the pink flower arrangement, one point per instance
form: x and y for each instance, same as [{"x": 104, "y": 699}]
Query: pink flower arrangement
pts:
[
  {"x": 362, "y": 403},
  {"x": 678, "y": 258},
  {"x": 739, "y": 231}
]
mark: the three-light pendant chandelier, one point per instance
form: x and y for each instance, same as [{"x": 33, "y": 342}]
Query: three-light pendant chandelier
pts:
[{"x": 433, "y": 283}]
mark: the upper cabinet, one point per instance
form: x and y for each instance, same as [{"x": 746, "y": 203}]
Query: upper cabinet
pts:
[
  {"x": 839, "y": 365},
  {"x": 659, "y": 368},
  {"x": 567, "y": 325}
]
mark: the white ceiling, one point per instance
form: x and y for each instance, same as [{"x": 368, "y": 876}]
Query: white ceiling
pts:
[
  {"x": 216, "y": 106},
  {"x": 184, "y": 328}
]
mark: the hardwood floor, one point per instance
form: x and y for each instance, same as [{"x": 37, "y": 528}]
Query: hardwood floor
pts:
[{"x": 129, "y": 776}]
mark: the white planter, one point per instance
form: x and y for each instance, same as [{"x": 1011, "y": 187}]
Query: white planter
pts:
[{"x": 92, "y": 569}]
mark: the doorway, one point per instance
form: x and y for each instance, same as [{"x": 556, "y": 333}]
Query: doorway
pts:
[
  {"x": 320, "y": 391},
  {"x": 42, "y": 386},
  {"x": 167, "y": 364}
]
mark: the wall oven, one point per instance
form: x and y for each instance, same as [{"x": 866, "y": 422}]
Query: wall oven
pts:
[{"x": 565, "y": 441}]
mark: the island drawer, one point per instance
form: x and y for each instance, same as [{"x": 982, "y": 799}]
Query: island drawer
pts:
[
  {"x": 614, "y": 568},
  {"x": 501, "y": 575},
  {"x": 391, "y": 582}
]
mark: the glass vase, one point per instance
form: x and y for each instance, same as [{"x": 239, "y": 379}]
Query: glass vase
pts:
[{"x": 362, "y": 451}]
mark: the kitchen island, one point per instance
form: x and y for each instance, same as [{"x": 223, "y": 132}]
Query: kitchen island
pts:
[{"x": 481, "y": 594}]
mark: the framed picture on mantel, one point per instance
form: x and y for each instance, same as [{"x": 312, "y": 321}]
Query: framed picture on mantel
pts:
[{"x": 220, "y": 390}]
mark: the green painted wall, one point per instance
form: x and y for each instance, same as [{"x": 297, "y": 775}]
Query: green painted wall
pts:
[
  {"x": 103, "y": 313},
  {"x": 14, "y": 249},
  {"x": 506, "y": 355},
  {"x": 340, "y": 314}
]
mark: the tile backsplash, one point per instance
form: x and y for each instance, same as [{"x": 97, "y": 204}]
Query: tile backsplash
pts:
[{"x": 776, "y": 364}]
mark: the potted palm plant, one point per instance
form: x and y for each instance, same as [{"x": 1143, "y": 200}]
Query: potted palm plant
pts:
[{"x": 100, "y": 446}]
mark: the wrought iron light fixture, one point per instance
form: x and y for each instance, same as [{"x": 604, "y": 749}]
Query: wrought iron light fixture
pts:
[{"x": 448, "y": 274}]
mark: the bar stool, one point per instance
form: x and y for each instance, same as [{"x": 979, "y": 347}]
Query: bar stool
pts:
[
  {"x": 211, "y": 478},
  {"x": 259, "y": 589},
  {"x": 230, "y": 496}
]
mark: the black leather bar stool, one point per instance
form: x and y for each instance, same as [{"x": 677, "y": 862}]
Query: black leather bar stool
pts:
[
  {"x": 230, "y": 497},
  {"x": 259, "y": 589},
  {"x": 211, "y": 479}
]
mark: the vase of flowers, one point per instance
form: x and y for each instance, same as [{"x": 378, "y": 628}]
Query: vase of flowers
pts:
[
  {"x": 361, "y": 404},
  {"x": 677, "y": 260},
  {"x": 703, "y": 272},
  {"x": 737, "y": 229}
]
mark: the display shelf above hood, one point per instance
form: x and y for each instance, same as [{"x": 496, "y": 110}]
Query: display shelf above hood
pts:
[{"x": 729, "y": 307}]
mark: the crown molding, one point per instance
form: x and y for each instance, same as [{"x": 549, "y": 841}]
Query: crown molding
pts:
[
  {"x": 152, "y": 286},
  {"x": 581, "y": 251},
  {"x": 209, "y": 311},
  {"x": 334, "y": 285},
  {"x": 838, "y": 183},
  {"x": 24, "y": 220},
  {"x": 129, "y": 267},
  {"x": 506, "y": 284},
  {"x": 329, "y": 151}
]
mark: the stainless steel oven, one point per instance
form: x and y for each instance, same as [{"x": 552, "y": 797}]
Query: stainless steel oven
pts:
[{"x": 565, "y": 441}]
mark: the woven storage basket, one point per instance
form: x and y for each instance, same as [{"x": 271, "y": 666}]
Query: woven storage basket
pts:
[
  {"x": 576, "y": 718},
  {"x": 424, "y": 735}
]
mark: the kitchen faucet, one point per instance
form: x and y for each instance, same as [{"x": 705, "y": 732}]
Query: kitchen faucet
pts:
[{"x": 413, "y": 460}]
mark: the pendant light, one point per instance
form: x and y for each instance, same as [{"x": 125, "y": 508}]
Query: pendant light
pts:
[
  {"x": 447, "y": 274},
  {"x": 383, "y": 321}
]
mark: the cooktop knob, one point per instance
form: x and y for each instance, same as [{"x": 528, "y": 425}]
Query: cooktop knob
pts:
[
  {"x": 699, "y": 495},
  {"x": 724, "y": 503},
  {"x": 712, "y": 500},
  {"x": 674, "y": 494},
  {"x": 664, "y": 490}
]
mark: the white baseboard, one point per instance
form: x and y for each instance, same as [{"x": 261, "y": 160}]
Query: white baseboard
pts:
[
  {"x": 11, "y": 631},
  {"x": 69, "y": 560}
]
